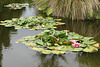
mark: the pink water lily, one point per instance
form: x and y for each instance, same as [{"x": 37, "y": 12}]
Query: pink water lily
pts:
[
  {"x": 25, "y": 37},
  {"x": 57, "y": 39},
  {"x": 73, "y": 41},
  {"x": 76, "y": 45},
  {"x": 43, "y": 26}
]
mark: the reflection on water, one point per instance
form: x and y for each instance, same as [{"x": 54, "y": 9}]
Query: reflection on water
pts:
[
  {"x": 4, "y": 39},
  {"x": 88, "y": 59},
  {"x": 51, "y": 60},
  {"x": 5, "y": 36},
  {"x": 29, "y": 11},
  {"x": 6, "y": 13},
  {"x": 67, "y": 60},
  {"x": 85, "y": 28},
  {"x": 17, "y": 55}
]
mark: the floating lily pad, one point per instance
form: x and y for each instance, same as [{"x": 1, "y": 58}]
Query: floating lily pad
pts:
[
  {"x": 97, "y": 45},
  {"x": 89, "y": 42},
  {"x": 58, "y": 52},
  {"x": 90, "y": 49},
  {"x": 31, "y": 23},
  {"x": 60, "y": 42},
  {"x": 46, "y": 52},
  {"x": 77, "y": 49},
  {"x": 16, "y": 6},
  {"x": 30, "y": 43},
  {"x": 37, "y": 49}
]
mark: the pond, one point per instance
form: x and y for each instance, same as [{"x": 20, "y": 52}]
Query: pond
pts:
[{"x": 18, "y": 55}]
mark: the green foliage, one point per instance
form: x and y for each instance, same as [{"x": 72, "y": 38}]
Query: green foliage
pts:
[
  {"x": 43, "y": 7},
  {"x": 49, "y": 11},
  {"x": 90, "y": 49},
  {"x": 45, "y": 10},
  {"x": 98, "y": 14},
  {"x": 59, "y": 42},
  {"x": 16, "y": 6},
  {"x": 31, "y": 23}
]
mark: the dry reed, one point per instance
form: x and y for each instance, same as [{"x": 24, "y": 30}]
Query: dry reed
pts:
[{"x": 73, "y": 9}]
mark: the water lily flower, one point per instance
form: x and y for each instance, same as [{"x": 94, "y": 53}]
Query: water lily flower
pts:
[
  {"x": 25, "y": 37},
  {"x": 73, "y": 41},
  {"x": 57, "y": 39},
  {"x": 42, "y": 25},
  {"x": 76, "y": 45},
  {"x": 66, "y": 33}
]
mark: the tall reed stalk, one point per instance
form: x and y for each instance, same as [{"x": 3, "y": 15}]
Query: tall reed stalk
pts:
[{"x": 73, "y": 9}]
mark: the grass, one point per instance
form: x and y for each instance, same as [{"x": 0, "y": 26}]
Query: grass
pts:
[{"x": 73, "y": 9}]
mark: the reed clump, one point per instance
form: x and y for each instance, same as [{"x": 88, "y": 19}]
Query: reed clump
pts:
[{"x": 73, "y": 9}]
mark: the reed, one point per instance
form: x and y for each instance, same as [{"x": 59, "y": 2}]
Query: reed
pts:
[{"x": 73, "y": 9}]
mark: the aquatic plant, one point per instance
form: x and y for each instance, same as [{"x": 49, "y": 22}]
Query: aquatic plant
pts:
[
  {"x": 57, "y": 42},
  {"x": 32, "y": 23},
  {"x": 16, "y": 6},
  {"x": 73, "y": 9}
]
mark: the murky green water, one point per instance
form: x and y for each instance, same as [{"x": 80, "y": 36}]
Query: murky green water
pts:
[{"x": 17, "y": 55}]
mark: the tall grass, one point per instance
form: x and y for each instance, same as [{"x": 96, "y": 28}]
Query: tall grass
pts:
[{"x": 73, "y": 9}]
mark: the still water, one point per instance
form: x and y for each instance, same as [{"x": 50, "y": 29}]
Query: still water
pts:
[{"x": 17, "y": 55}]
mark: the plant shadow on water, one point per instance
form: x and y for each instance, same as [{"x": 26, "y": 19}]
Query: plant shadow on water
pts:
[
  {"x": 85, "y": 28},
  {"x": 79, "y": 59},
  {"x": 6, "y": 33},
  {"x": 4, "y": 40},
  {"x": 88, "y": 59},
  {"x": 6, "y": 13},
  {"x": 51, "y": 60}
]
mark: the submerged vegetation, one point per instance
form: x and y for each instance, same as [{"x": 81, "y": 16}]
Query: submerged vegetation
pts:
[
  {"x": 60, "y": 42},
  {"x": 16, "y": 6},
  {"x": 73, "y": 9},
  {"x": 32, "y": 23}
]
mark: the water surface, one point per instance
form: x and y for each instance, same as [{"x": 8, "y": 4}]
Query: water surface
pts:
[{"x": 17, "y": 55}]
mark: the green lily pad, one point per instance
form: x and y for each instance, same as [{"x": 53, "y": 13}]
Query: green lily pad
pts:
[
  {"x": 87, "y": 38},
  {"x": 89, "y": 42},
  {"x": 46, "y": 52},
  {"x": 77, "y": 49},
  {"x": 58, "y": 52},
  {"x": 16, "y": 6},
  {"x": 83, "y": 45},
  {"x": 39, "y": 42},
  {"x": 31, "y": 23},
  {"x": 57, "y": 42},
  {"x": 37, "y": 49},
  {"x": 97, "y": 45},
  {"x": 90, "y": 49},
  {"x": 74, "y": 36},
  {"x": 30, "y": 44}
]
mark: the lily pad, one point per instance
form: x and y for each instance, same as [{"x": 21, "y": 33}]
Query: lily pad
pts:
[
  {"x": 97, "y": 45},
  {"x": 89, "y": 42},
  {"x": 90, "y": 49},
  {"x": 46, "y": 52},
  {"x": 57, "y": 42},
  {"x": 30, "y": 44},
  {"x": 31, "y": 23},
  {"x": 77, "y": 49},
  {"x": 16, "y": 6},
  {"x": 37, "y": 49},
  {"x": 58, "y": 52}
]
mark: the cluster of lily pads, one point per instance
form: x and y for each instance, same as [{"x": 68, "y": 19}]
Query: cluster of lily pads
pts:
[
  {"x": 16, "y": 6},
  {"x": 32, "y": 23},
  {"x": 60, "y": 42}
]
